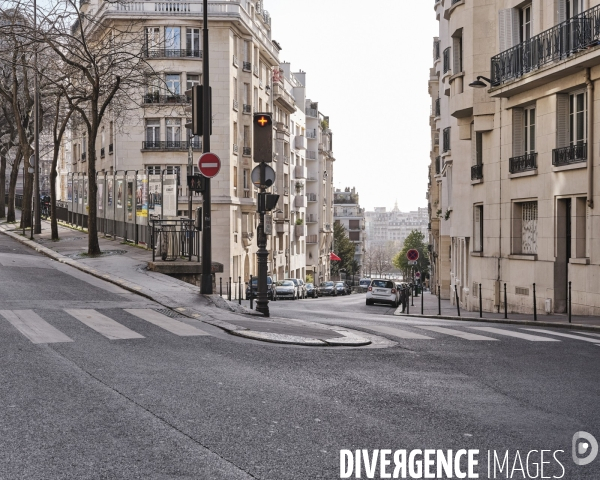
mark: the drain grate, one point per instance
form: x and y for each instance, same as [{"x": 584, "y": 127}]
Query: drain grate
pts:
[{"x": 169, "y": 313}]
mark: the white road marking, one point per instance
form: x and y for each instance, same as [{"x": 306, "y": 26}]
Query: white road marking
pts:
[
  {"x": 166, "y": 323},
  {"x": 459, "y": 334},
  {"x": 566, "y": 335},
  {"x": 34, "y": 327},
  {"x": 588, "y": 333},
  {"x": 511, "y": 333},
  {"x": 396, "y": 332},
  {"x": 103, "y": 325}
]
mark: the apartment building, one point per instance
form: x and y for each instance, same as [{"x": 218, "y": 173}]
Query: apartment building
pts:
[
  {"x": 347, "y": 211},
  {"x": 391, "y": 227},
  {"x": 153, "y": 139},
  {"x": 514, "y": 175}
]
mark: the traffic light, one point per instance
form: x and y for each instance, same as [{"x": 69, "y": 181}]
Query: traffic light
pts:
[
  {"x": 197, "y": 108},
  {"x": 267, "y": 202},
  {"x": 263, "y": 137}
]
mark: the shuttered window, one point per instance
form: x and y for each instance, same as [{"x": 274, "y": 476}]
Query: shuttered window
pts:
[
  {"x": 476, "y": 146},
  {"x": 577, "y": 119},
  {"x": 478, "y": 228},
  {"x": 457, "y": 49},
  {"x": 508, "y": 28},
  {"x": 562, "y": 120},
  {"x": 518, "y": 130},
  {"x": 529, "y": 129}
]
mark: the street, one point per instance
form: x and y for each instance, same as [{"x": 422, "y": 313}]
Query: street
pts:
[{"x": 93, "y": 386}]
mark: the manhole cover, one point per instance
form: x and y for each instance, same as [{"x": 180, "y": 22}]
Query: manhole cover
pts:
[{"x": 169, "y": 313}]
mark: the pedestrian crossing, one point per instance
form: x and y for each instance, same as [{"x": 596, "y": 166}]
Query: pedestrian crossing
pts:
[{"x": 39, "y": 331}]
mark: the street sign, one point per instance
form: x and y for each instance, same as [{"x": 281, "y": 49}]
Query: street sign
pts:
[
  {"x": 412, "y": 262},
  {"x": 418, "y": 275},
  {"x": 32, "y": 161},
  {"x": 270, "y": 176},
  {"x": 412, "y": 255},
  {"x": 268, "y": 224},
  {"x": 209, "y": 165}
]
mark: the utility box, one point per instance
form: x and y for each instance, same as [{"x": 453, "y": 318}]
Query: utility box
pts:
[
  {"x": 198, "y": 219},
  {"x": 496, "y": 293},
  {"x": 548, "y": 306}
]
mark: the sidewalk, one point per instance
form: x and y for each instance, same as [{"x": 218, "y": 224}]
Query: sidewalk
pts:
[
  {"x": 449, "y": 311},
  {"x": 125, "y": 265}
]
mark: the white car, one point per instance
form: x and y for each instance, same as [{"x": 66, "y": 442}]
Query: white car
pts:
[{"x": 382, "y": 291}]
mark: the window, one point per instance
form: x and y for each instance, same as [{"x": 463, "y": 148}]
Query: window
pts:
[
  {"x": 235, "y": 89},
  {"x": 192, "y": 81},
  {"x": 153, "y": 169},
  {"x": 172, "y": 41},
  {"x": 152, "y": 131},
  {"x": 523, "y": 131},
  {"x": 192, "y": 42},
  {"x": 478, "y": 228},
  {"x": 529, "y": 129},
  {"x": 173, "y": 82},
  {"x": 235, "y": 180},
  {"x": 83, "y": 146},
  {"x": 476, "y": 146},
  {"x": 246, "y": 178},
  {"x": 457, "y": 50},
  {"x": 526, "y": 23},
  {"x": 247, "y": 138},
  {"x": 569, "y": 8},
  {"x": 577, "y": 118},
  {"x": 525, "y": 228},
  {"x": 152, "y": 40},
  {"x": 173, "y": 132},
  {"x": 571, "y": 129}
]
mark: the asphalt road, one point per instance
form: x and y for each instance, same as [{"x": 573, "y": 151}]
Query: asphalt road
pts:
[{"x": 210, "y": 406}]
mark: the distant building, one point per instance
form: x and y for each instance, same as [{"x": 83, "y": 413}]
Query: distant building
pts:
[
  {"x": 347, "y": 211},
  {"x": 383, "y": 227}
]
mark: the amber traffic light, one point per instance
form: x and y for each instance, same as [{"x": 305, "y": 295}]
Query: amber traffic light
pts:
[{"x": 263, "y": 137}]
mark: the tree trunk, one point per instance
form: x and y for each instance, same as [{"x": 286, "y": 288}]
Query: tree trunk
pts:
[
  {"x": 93, "y": 244},
  {"x": 2, "y": 185},
  {"x": 26, "y": 214},
  {"x": 12, "y": 188},
  {"x": 53, "y": 175}
]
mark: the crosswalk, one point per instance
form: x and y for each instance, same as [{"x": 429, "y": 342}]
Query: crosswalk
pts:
[{"x": 40, "y": 331}]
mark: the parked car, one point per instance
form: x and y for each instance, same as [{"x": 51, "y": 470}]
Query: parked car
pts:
[
  {"x": 252, "y": 292},
  {"x": 342, "y": 288},
  {"x": 364, "y": 283},
  {"x": 327, "y": 288},
  {"x": 300, "y": 288},
  {"x": 311, "y": 290},
  {"x": 286, "y": 289},
  {"x": 382, "y": 291}
]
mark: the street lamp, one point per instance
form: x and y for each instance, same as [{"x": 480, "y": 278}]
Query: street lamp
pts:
[{"x": 478, "y": 83}]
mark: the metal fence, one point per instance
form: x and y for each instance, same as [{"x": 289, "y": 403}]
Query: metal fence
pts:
[{"x": 173, "y": 239}]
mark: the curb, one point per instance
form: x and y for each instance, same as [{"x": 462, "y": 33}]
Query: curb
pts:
[{"x": 568, "y": 326}]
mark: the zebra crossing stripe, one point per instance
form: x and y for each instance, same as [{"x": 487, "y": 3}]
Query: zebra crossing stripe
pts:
[
  {"x": 34, "y": 327},
  {"x": 396, "y": 332},
  {"x": 103, "y": 325},
  {"x": 511, "y": 333},
  {"x": 592, "y": 334},
  {"x": 459, "y": 333},
  {"x": 169, "y": 324},
  {"x": 566, "y": 335}
]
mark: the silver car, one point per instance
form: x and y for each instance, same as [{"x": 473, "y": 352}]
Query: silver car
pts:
[
  {"x": 300, "y": 287},
  {"x": 286, "y": 289}
]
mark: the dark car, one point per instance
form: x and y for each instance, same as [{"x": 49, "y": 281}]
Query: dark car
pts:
[
  {"x": 327, "y": 288},
  {"x": 342, "y": 288},
  {"x": 271, "y": 293},
  {"x": 311, "y": 290}
]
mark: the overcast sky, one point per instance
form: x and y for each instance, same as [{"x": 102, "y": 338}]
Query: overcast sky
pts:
[{"x": 367, "y": 65}]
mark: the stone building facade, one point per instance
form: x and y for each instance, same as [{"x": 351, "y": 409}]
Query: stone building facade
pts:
[{"x": 347, "y": 211}]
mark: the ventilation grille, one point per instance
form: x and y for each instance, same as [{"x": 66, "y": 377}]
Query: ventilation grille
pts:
[
  {"x": 522, "y": 291},
  {"x": 169, "y": 313}
]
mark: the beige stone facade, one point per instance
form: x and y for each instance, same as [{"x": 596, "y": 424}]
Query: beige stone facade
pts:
[
  {"x": 514, "y": 174},
  {"x": 347, "y": 211}
]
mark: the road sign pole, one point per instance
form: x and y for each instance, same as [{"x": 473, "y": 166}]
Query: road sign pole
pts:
[
  {"x": 206, "y": 286},
  {"x": 262, "y": 300}
]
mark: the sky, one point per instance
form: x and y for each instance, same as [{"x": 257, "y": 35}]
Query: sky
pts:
[{"x": 367, "y": 65}]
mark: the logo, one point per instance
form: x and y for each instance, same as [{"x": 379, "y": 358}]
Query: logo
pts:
[{"x": 585, "y": 448}]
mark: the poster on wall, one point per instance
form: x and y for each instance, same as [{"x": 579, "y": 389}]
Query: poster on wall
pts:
[
  {"x": 154, "y": 195},
  {"x": 80, "y": 191},
  {"x": 130, "y": 201},
  {"x": 109, "y": 192},
  {"x": 76, "y": 190},
  {"x": 101, "y": 196},
  {"x": 85, "y": 191},
  {"x": 119, "y": 193},
  {"x": 169, "y": 199},
  {"x": 141, "y": 202},
  {"x": 70, "y": 189}
]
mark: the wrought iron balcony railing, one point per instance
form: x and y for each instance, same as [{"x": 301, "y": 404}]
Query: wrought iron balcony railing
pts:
[
  {"x": 436, "y": 50},
  {"x": 110, "y": 148},
  {"x": 247, "y": 151},
  {"x": 247, "y": 66},
  {"x": 446, "y": 60},
  {"x": 477, "y": 172},
  {"x": 102, "y": 152},
  {"x": 172, "y": 53},
  {"x": 170, "y": 145},
  {"x": 522, "y": 163},
  {"x": 437, "y": 108},
  {"x": 446, "y": 140},
  {"x": 438, "y": 165},
  {"x": 83, "y": 157},
  {"x": 154, "y": 98},
  {"x": 569, "y": 155},
  {"x": 561, "y": 41},
  {"x": 246, "y": 108}
]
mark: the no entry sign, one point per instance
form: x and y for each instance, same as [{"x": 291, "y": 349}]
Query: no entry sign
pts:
[
  {"x": 209, "y": 165},
  {"x": 412, "y": 255}
]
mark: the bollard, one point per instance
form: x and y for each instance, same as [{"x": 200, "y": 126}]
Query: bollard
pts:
[
  {"x": 251, "y": 295},
  {"x": 480, "y": 303},
  {"x": 534, "y": 305},
  {"x": 570, "y": 302},
  {"x": 407, "y": 302},
  {"x": 505, "y": 305},
  {"x": 221, "y": 286},
  {"x": 439, "y": 300},
  {"x": 412, "y": 296},
  {"x": 422, "y": 295},
  {"x": 456, "y": 296},
  {"x": 229, "y": 289},
  {"x": 240, "y": 290}
]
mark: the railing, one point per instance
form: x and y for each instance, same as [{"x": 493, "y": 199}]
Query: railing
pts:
[
  {"x": 446, "y": 140},
  {"x": 438, "y": 165},
  {"x": 569, "y": 155},
  {"x": 235, "y": 61},
  {"x": 311, "y": 155},
  {"x": 436, "y": 49},
  {"x": 247, "y": 66},
  {"x": 155, "y": 98},
  {"x": 557, "y": 43},
  {"x": 312, "y": 112},
  {"x": 286, "y": 159},
  {"x": 172, "y": 53},
  {"x": 235, "y": 148},
  {"x": 83, "y": 157},
  {"x": 173, "y": 239},
  {"x": 446, "y": 60},
  {"x": 311, "y": 134},
  {"x": 311, "y": 197},
  {"x": 247, "y": 151},
  {"x": 522, "y": 163},
  {"x": 311, "y": 238},
  {"x": 477, "y": 172},
  {"x": 110, "y": 148},
  {"x": 246, "y": 108},
  {"x": 456, "y": 1},
  {"x": 437, "y": 109},
  {"x": 235, "y": 105},
  {"x": 170, "y": 145},
  {"x": 102, "y": 152}
]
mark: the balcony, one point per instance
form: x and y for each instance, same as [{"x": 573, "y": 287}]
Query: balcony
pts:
[
  {"x": 300, "y": 171},
  {"x": 300, "y": 201},
  {"x": 247, "y": 67},
  {"x": 300, "y": 231},
  {"x": 151, "y": 98},
  {"x": 477, "y": 172},
  {"x": 172, "y": 53},
  {"x": 312, "y": 134},
  {"x": 312, "y": 197},
  {"x": 446, "y": 140},
  {"x": 438, "y": 165},
  {"x": 170, "y": 145},
  {"x": 570, "y": 155},
  {"x": 280, "y": 227},
  {"x": 110, "y": 148},
  {"x": 311, "y": 155},
  {"x": 300, "y": 142},
  {"x": 436, "y": 50},
  {"x": 255, "y": 70},
  {"x": 446, "y": 60},
  {"x": 523, "y": 163},
  {"x": 311, "y": 112},
  {"x": 558, "y": 43},
  {"x": 285, "y": 99},
  {"x": 311, "y": 218},
  {"x": 246, "y": 109},
  {"x": 437, "y": 108},
  {"x": 247, "y": 152},
  {"x": 311, "y": 239}
]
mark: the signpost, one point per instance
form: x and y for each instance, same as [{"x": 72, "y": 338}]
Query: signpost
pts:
[
  {"x": 209, "y": 165},
  {"x": 413, "y": 255}
]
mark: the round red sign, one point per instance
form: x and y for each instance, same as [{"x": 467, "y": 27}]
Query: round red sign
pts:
[
  {"x": 412, "y": 254},
  {"x": 209, "y": 165}
]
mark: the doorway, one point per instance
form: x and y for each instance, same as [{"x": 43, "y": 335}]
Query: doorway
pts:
[{"x": 563, "y": 254}]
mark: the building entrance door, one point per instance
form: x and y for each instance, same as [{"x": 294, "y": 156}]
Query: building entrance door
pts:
[{"x": 563, "y": 254}]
